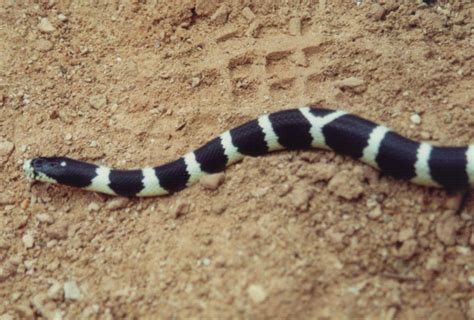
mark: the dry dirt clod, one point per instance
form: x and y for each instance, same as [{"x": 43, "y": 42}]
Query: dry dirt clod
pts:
[
  {"x": 6, "y": 198},
  {"x": 323, "y": 172},
  {"x": 57, "y": 231},
  {"x": 446, "y": 230},
  {"x": 205, "y": 7},
  {"x": 253, "y": 29},
  {"x": 346, "y": 185},
  {"x": 93, "y": 207},
  {"x": 44, "y": 45},
  {"x": 220, "y": 16},
  {"x": 180, "y": 209},
  {"x": 117, "y": 203},
  {"x": 248, "y": 14},
  {"x": 352, "y": 83},
  {"x": 301, "y": 196},
  {"x": 294, "y": 26},
  {"x": 212, "y": 181},
  {"x": 6, "y": 149}
]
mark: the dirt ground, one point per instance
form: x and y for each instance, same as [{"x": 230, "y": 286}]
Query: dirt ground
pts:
[{"x": 300, "y": 235}]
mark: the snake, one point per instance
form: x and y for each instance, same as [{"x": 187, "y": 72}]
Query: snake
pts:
[{"x": 448, "y": 167}]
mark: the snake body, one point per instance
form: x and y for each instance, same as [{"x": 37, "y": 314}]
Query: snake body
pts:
[{"x": 293, "y": 129}]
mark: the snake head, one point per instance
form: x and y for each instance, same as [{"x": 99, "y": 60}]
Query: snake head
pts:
[{"x": 46, "y": 169}]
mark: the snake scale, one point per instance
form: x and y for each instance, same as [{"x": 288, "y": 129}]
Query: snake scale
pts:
[{"x": 294, "y": 129}]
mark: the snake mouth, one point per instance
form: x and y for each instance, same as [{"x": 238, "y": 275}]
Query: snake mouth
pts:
[{"x": 28, "y": 170}]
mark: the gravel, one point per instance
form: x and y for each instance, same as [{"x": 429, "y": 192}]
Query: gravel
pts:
[
  {"x": 71, "y": 291},
  {"x": 45, "y": 26}
]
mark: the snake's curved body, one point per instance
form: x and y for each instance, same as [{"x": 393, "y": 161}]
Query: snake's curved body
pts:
[{"x": 294, "y": 129}]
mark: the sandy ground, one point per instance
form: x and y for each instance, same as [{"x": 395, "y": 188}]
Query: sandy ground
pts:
[{"x": 302, "y": 235}]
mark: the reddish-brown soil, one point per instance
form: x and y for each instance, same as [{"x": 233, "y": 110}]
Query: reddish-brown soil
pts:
[{"x": 298, "y": 235}]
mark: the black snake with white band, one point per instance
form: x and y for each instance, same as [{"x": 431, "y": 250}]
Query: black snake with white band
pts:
[{"x": 295, "y": 129}]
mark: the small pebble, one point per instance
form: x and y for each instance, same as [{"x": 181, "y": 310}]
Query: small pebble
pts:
[
  {"x": 62, "y": 17},
  {"x": 352, "y": 83},
  {"x": 93, "y": 207},
  {"x": 219, "y": 208},
  {"x": 55, "y": 292},
  {"x": 425, "y": 135},
  {"x": 256, "y": 293},
  {"x": 29, "y": 264},
  {"x": 471, "y": 280},
  {"x": 98, "y": 101},
  {"x": 195, "y": 82},
  {"x": 45, "y": 26},
  {"x": 433, "y": 263},
  {"x": 71, "y": 291},
  {"x": 212, "y": 181},
  {"x": 44, "y": 217},
  {"x": 284, "y": 189},
  {"x": 28, "y": 240},
  {"x": 415, "y": 118},
  {"x": 117, "y": 203},
  {"x": 375, "y": 213},
  {"x": 205, "y": 262}
]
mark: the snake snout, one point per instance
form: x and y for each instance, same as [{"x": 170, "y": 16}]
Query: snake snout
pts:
[{"x": 37, "y": 163}]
